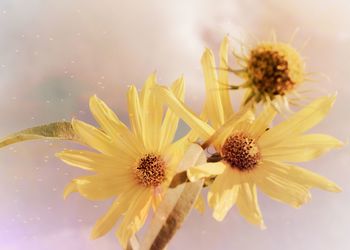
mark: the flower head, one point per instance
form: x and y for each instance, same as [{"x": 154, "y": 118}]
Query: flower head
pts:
[
  {"x": 271, "y": 71},
  {"x": 251, "y": 154},
  {"x": 134, "y": 166}
]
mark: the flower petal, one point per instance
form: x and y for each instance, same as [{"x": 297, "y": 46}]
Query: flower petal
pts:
[
  {"x": 107, "y": 119},
  {"x": 135, "y": 112},
  {"x": 108, "y": 220},
  {"x": 301, "y": 148},
  {"x": 171, "y": 120},
  {"x": 283, "y": 189},
  {"x": 301, "y": 176},
  {"x": 102, "y": 187},
  {"x": 298, "y": 123},
  {"x": 199, "y": 205},
  {"x": 205, "y": 170},
  {"x": 213, "y": 106},
  {"x": 223, "y": 79},
  {"x": 152, "y": 114},
  {"x": 233, "y": 123},
  {"x": 70, "y": 188},
  {"x": 223, "y": 193},
  {"x": 247, "y": 203},
  {"x": 199, "y": 126},
  {"x": 94, "y": 137},
  {"x": 262, "y": 122},
  {"x": 94, "y": 161},
  {"x": 135, "y": 216}
]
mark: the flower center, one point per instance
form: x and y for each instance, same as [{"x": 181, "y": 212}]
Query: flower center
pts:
[
  {"x": 241, "y": 152},
  {"x": 269, "y": 72},
  {"x": 150, "y": 170}
]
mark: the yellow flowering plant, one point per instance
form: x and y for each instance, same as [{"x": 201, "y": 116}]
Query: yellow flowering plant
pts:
[{"x": 143, "y": 169}]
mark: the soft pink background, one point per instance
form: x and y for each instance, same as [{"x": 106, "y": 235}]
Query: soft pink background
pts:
[{"x": 55, "y": 54}]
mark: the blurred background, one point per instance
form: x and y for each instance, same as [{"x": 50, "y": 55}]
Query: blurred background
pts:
[{"x": 55, "y": 54}]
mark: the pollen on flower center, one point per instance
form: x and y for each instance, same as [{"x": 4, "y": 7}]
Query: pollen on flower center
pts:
[
  {"x": 150, "y": 170},
  {"x": 241, "y": 152},
  {"x": 269, "y": 71}
]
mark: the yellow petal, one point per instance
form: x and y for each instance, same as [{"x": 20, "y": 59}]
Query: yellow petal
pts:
[
  {"x": 220, "y": 135},
  {"x": 205, "y": 170},
  {"x": 282, "y": 189},
  {"x": 102, "y": 187},
  {"x": 135, "y": 112},
  {"x": 214, "y": 106},
  {"x": 70, "y": 188},
  {"x": 223, "y": 193},
  {"x": 199, "y": 205},
  {"x": 171, "y": 120},
  {"x": 152, "y": 115},
  {"x": 247, "y": 203},
  {"x": 298, "y": 123},
  {"x": 135, "y": 216},
  {"x": 94, "y": 137},
  {"x": 108, "y": 220},
  {"x": 262, "y": 122},
  {"x": 94, "y": 161},
  {"x": 301, "y": 148},
  {"x": 107, "y": 119},
  {"x": 223, "y": 79},
  {"x": 199, "y": 126},
  {"x": 301, "y": 176}
]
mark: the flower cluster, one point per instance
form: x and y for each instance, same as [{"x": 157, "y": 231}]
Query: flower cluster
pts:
[{"x": 135, "y": 166}]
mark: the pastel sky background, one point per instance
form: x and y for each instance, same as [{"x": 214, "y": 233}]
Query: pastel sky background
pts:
[{"x": 55, "y": 54}]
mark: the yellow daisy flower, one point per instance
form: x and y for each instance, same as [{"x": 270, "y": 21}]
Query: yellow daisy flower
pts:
[
  {"x": 271, "y": 70},
  {"x": 250, "y": 154},
  {"x": 135, "y": 165}
]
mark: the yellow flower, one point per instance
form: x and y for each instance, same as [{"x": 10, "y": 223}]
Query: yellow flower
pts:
[
  {"x": 250, "y": 154},
  {"x": 271, "y": 71},
  {"x": 134, "y": 165}
]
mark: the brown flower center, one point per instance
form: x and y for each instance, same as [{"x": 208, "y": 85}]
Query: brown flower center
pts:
[
  {"x": 269, "y": 72},
  {"x": 241, "y": 152},
  {"x": 150, "y": 170}
]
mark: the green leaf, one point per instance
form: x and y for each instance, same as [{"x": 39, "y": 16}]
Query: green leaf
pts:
[
  {"x": 55, "y": 130},
  {"x": 175, "y": 206}
]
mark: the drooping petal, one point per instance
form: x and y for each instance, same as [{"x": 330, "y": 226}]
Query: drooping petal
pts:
[
  {"x": 200, "y": 127},
  {"x": 247, "y": 203},
  {"x": 199, "y": 205},
  {"x": 298, "y": 123},
  {"x": 171, "y": 120},
  {"x": 214, "y": 106},
  {"x": 223, "y": 193},
  {"x": 135, "y": 216},
  {"x": 301, "y": 176},
  {"x": 108, "y": 220},
  {"x": 205, "y": 170},
  {"x": 135, "y": 112},
  {"x": 301, "y": 148},
  {"x": 94, "y": 161},
  {"x": 223, "y": 80},
  {"x": 282, "y": 188}
]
